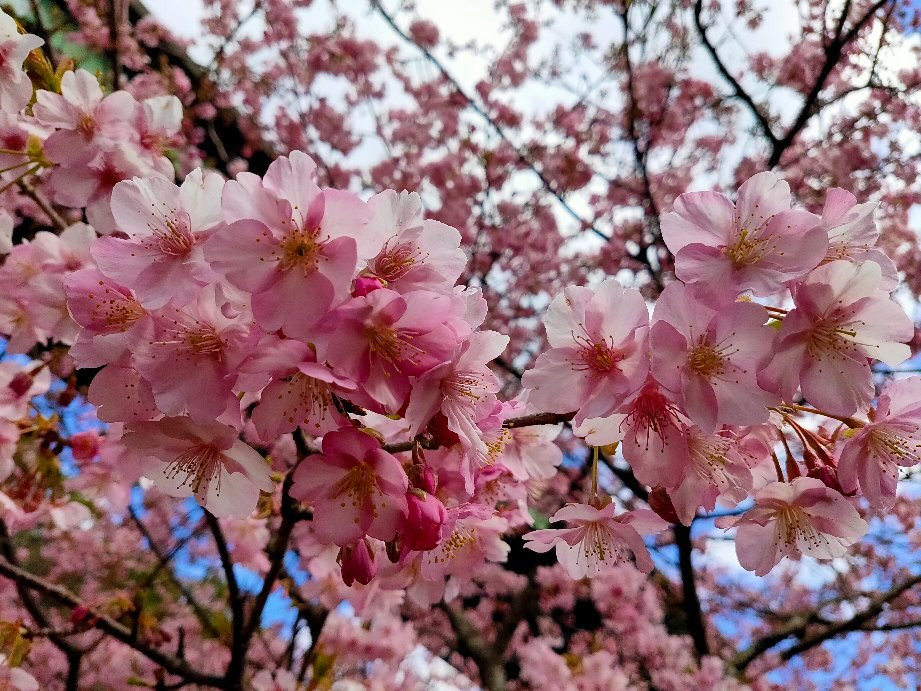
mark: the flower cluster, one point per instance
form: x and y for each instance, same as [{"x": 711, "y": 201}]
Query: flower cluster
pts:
[
  {"x": 226, "y": 317},
  {"x": 775, "y": 308}
]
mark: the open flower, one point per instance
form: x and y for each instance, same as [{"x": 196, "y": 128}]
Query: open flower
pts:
[
  {"x": 709, "y": 355},
  {"x": 598, "y": 540},
  {"x": 166, "y": 225},
  {"x": 288, "y": 239},
  {"x": 15, "y": 85},
  {"x": 356, "y": 488},
  {"x": 205, "y": 460},
  {"x": 758, "y": 244},
  {"x": 891, "y": 440},
  {"x": 841, "y": 320},
  {"x": 597, "y": 353},
  {"x": 800, "y": 517}
]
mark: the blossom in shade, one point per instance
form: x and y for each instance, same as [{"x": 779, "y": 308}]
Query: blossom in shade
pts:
[
  {"x": 288, "y": 239},
  {"x": 598, "y": 540},
  {"x": 716, "y": 470},
  {"x": 852, "y": 234},
  {"x": 709, "y": 355},
  {"x": 841, "y": 320},
  {"x": 463, "y": 391},
  {"x": 166, "y": 225},
  {"x": 417, "y": 254},
  {"x": 892, "y": 439},
  {"x": 597, "y": 353},
  {"x": 758, "y": 244},
  {"x": 356, "y": 488},
  {"x": 84, "y": 119},
  {"x": 15, "y": 85},
  {"x": 19, "y": 384},
  {"x": 652, "y": 433},
  {"x": 381, "y": 339},
  {"x": 358, "y": 561},
  {"x": 788, "y": 519},
  {"x": 301, "y": 397},
  {"x": 425, "y": 516},
  {"x": 471, "y": 535},
  {"x": 205, "y": 460},
  {"x": 192, "y": 360}
]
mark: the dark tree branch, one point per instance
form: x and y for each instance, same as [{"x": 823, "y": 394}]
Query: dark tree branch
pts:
[
  {"x": 737, "y": 88},
  {"x": 695, "y": 617},
  {"x": 234, "y": 598},
  {"x": 471, "y": 643},
  {"x": 799, "y": 624}
]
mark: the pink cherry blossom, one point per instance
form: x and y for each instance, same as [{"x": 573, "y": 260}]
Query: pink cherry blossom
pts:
[
  {"x": 301, "y": 396},
  {"x": 598, "y": 540},
  {"x": 192, "y": 360},
  {"x": 424, "y": 519},
  {"x": 356, "y": 488},
  {"x": 708, "y": 355},
  {"x": 19, "y": 384},
  {"x": 597, "y": 353},
  {"x": 287, "y": 239},
  {"x": 83, "y": 118},
  {"x": 417, "y": 254},
  {"x": 758, "y": 244},
  {"x": 166, "y": 225},
  {"x": 471, "y": 536},
  {"x": 15, "y": 85},
  {"x": 652, "y": 431},
  {"x": 841, "y": 319},
  {"x": 205, "y": 460},
  {"x": 358, "y": 561},
  {"x": 464, "y": 392},
  {"x": 716, "y": 471},
  {"x": 788, "y": 519},
  {"x": 852, "y": 234},
  {"x": 891, "y": 440},
  {"x": 112, "y": 322},
  {"x": 382, "y": 339}
]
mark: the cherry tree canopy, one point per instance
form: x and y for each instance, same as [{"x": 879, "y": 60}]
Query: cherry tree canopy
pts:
[{"x": 560, "y": 345}]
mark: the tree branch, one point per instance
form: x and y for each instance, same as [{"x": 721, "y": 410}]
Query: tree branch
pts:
[{"x": 110, "y": 626}]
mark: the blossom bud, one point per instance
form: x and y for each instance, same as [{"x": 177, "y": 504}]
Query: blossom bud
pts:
[
  {"x": 425, "y": 516},
  {"x": 358, "y": 562},
  {"x": 20, "y": 384},
  {"x": 85, "y": 445},
  {"x": 661, "y": 503},
  {"x": 365, "y": 285},
  {"x": 423, "y": 477},
  {"x": 829, "y": 477}
]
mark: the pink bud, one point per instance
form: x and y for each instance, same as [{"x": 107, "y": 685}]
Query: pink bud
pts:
[
  {"x": 358, "y": 562},
  {"x": 365, "y": 285},
  {"x": 85, "y": 445},
  {"x": 425, "y": 516},
  {"x": 423, "y": 477},
  {"x": 21, "y": 383}
]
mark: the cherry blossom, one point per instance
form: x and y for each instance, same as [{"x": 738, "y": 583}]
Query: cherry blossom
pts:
[
  {"x": 709, "y": 356},
  {"x": 758, "y": 244},
  {"x": 598, "y": 540},
  {"x": 598, "y": 351},
  {"x": 15, "y": 87},
  {"x": 286, "y": 237},
  {"x": 205, "y": 460},
  {"x": 841, "y": 319},
  {"x": 892, "y": 439},
  {"x": 788, "y": 519},
  {"x": 355, "y": 487},
  {"x": 166, "y": 226}
]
